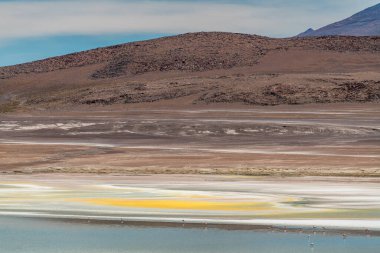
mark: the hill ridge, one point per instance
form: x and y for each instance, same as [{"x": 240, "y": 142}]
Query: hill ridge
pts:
[
  {"x": 201, "y": 68},
  {"x": 121, "y": 58}
]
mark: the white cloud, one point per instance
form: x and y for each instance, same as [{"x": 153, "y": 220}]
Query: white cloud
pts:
[{"x": 46, "y": 18}]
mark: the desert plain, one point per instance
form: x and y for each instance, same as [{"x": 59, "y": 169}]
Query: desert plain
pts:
[{"x": 297, "y": 140}]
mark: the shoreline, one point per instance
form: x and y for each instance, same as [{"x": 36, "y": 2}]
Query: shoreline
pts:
[{"x": 356, "y": 227}]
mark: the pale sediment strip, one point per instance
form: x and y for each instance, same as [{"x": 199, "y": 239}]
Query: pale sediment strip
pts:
[
  {"x": 189, "y": 148},
  {"x": 68, "y": 143}
]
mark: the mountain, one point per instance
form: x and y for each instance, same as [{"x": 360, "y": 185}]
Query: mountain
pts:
[
  {"x": 200, "y": 68},
  {"x": 306, "y": 33},
  {"x": 364, "y": 23}
]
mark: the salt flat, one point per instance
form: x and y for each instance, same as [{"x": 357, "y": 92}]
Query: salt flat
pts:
[{"x": 331, "y": 203}]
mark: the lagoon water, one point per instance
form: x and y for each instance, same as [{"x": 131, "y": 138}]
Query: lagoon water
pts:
[{"x": 21, "y": 235}]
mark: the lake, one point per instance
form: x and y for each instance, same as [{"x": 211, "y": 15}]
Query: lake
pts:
[{"x": 21, "y": 235}]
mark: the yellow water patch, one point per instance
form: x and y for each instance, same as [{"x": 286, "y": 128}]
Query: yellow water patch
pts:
[{"x": 183, "y": 204}]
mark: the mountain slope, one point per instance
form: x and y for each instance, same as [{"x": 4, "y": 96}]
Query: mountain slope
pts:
[
  {"x": 201, "y": 68},
  {"x": 364, "y": 23}
]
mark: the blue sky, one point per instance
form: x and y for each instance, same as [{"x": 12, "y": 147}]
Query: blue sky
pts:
[{"x": 36, "y": 29}]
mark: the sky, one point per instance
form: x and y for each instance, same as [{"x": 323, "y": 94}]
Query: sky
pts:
[{"x": 37, "y": 29}]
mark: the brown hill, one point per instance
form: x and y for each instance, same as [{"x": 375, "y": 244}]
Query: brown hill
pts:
[{"x": 201, "y": 68}]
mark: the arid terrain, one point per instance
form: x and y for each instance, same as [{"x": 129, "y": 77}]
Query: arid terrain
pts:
[
  {"x": 213, "y": 103},
  {"x": 339, "y": 139},
  {"x": 202, "y": 69},
  {"x": 198, "y": 142},
  {"x": 215, "y": 132}
]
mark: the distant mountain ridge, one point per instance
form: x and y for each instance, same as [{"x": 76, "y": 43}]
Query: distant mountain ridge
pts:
[{"x": 364, "y": 23}]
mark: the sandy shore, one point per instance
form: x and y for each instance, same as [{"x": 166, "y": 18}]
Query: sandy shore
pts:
[{"x": 343, "y": 227}]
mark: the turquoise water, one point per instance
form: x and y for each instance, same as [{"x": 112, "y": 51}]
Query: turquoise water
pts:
[{"x": 38, "y": 236}]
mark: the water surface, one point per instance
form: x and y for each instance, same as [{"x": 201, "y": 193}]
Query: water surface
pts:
[{"x": 20, "y": 235}]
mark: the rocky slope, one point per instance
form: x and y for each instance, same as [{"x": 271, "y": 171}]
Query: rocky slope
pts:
[{"x": 201, "y": 68}]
